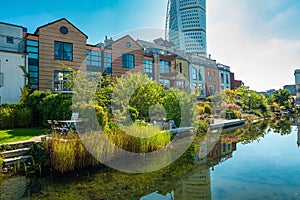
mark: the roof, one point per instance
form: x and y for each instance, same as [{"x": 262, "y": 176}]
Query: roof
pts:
[
  {"x": 37, "y": 30},
  {"x": 130, "y": 38},
  {"x": 24, "y": 29}
]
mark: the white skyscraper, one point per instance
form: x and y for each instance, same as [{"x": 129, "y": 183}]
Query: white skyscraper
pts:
[{"x": 186, "y": 25}]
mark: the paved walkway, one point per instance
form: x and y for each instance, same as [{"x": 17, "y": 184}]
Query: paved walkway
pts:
[{"x": 37, "y": 138}]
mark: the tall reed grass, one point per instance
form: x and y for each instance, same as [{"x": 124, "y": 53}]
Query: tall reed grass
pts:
[
  {"x": 139, "y": 139},
  {"x": 73, "y": 151},
  {"x": 68, "y": 153}
]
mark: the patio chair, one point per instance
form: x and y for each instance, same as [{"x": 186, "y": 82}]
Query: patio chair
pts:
[
  {"x": 74, "y": 116},
  {"x": 172, "y": 124}
]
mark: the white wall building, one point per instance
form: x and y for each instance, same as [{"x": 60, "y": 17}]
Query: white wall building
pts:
[{"x": 11, "y": 57}]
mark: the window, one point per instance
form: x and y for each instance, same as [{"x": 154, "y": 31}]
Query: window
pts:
[
  {"x": 164, "y": 67},
  {"x": 93, "y": 58},
  {"x": 63, "y": 51},
  {"x": 66, "y": 75},
  {"x": 194, "y": 74},
  {"x": 32, "y": 43},
  {"x": 165, "y": 82},
  {"x": 199, "y": 76},
  {"x": 33, "y": 62},
  {"x": 180, "y": 84},
  {"x": 222, "y": 78},
  {"x": 180, "y": 67},
  {"x": 9, "y": 40},
  {"x": 148, "y": 66},
  {"x": 227, "y": 79},
  {"x": 128, "y": 61},
  {"x": 211, "y": 89},
  {"x": 107, "y": 63}
]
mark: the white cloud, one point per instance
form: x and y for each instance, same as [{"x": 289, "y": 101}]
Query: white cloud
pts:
[{"x": 255, "y": 39}]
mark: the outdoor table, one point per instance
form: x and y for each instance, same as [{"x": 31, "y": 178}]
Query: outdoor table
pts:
[{"x": 70, "y": 124}]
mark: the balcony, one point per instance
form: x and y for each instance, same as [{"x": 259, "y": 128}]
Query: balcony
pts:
[
  {"x": 64, "y": 86},
  {"x": 1, "y": 79}
]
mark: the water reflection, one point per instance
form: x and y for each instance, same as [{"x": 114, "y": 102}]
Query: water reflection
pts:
[{"x": 198, "y": 174}]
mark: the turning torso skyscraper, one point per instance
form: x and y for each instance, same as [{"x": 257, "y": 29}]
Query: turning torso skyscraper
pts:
[{"x": 186, "y": 25}]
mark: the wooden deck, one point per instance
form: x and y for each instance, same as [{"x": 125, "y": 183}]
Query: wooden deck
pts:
[{"x": 224, "y": 123}]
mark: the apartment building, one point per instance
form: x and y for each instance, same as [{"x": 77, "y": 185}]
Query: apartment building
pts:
[
  {"x": 164, "y": 64},
  {"x": 54, "y": 48},
  {"x": 224, "y": 76},
  {"x": 12, "y": 56},
  {"x": 211, "y": 77}
]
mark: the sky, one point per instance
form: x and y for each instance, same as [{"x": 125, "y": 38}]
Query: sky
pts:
[{"x": 258, "y": 39}]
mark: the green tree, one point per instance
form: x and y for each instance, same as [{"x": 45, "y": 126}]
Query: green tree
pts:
[
  {"x": 137, "y": 91},
  {"x": 179, "y": 107},
  {"x": 282, "y": 97}
]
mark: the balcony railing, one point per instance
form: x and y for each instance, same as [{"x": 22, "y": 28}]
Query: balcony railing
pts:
[
  {"x": 64, "y": 86},
  {"x": 1, "y": 79}
]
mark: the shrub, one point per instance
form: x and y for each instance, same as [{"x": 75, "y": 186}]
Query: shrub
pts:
[
  {"x": 101, "y": 116},
  {"x": 134, "y": 113},
  {"x": 23, "y": 117},
  {"x": 200, "y": 110},
  {"x": 202, "y": 127},
  {"x": 207, "y": 109},
  {"x": 33, "y": 102},
  {"x": 257, "y": 113},
  {"x": 1, "y": 162},
  {"x": 7, "y": 117},
  {"x": 56, "y": 106}
]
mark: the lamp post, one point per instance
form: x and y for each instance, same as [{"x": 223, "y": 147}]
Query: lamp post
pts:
[{"x": 249, "y": 95}]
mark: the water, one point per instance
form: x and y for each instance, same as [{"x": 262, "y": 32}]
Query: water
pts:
[{"x": 260, "y": 162}]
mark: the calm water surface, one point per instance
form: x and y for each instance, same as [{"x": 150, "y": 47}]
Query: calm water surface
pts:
[{"x": 258, "y": 162}]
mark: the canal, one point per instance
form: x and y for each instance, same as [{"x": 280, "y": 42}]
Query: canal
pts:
[{"x": 255, "y": 162}]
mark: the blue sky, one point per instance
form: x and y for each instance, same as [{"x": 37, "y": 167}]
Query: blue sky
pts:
[{"x": 259, "y": 39}]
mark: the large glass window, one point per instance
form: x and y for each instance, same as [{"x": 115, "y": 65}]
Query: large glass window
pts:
[
  {"x": 148, "y": 66},
  {"x": 93, "y": 58},
  {"x": 33, "y": 62},
  {"x": 180, "y": 84},
  {"x": 32, "y": 43},
  {"x": 222, "y": 78},
  {"x": 194, "y": 74},
  {"x": 199, "y": 76},
  {"x": 128, "y": 61},
  {"x": 107, "y": 63},
  {"x": 165, "y": 82},
  {"x": 227, "y": 79},
  {"x": 63, "y": 51},
  {"x": 164, "y": 67}
]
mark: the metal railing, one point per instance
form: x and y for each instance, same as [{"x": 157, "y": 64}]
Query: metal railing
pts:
[{"x": 61, "y": 86}]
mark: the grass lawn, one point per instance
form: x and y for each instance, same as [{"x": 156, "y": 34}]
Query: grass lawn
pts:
[{"x": 19, "y": 134}]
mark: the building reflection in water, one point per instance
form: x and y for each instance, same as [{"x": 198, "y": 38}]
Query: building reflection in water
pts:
[
  {"x": 298, "y": 135},
  {"x": 197, "y": 183}
]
